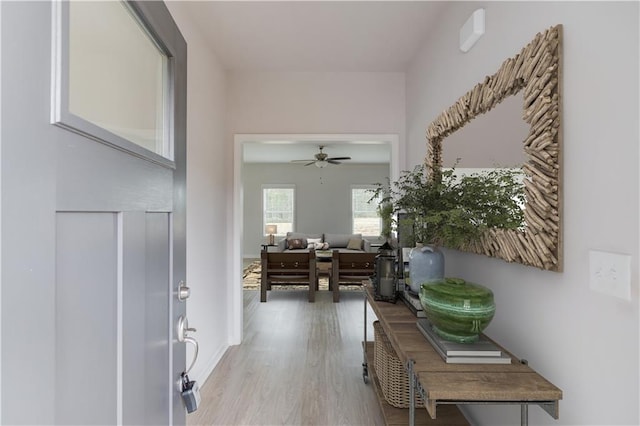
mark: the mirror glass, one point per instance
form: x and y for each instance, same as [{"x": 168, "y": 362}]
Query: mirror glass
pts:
[{"x": 493, "y": 139}]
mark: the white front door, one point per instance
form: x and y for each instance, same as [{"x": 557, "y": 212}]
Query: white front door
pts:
[{"x": 92, "y": 249}]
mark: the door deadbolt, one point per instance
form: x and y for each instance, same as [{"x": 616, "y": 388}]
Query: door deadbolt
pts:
[{"x": 183, "y": 291}]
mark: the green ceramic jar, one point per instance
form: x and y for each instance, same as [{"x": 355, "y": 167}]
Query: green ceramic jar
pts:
[{"x": 459, "y": 310}]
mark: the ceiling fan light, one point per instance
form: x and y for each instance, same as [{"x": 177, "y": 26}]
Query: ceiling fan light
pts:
[{"x": 321, "y": 164}]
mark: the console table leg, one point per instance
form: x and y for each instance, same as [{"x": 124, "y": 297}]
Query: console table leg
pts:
[
  {"x": 524, "y": 415},
  {"x": 412, "y": 393}
]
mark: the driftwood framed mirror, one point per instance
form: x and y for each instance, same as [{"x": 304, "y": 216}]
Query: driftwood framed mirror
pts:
[{"x": 535, "y": 73}]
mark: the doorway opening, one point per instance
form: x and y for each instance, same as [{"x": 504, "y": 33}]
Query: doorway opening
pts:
[{"x": 282, "y": 141}]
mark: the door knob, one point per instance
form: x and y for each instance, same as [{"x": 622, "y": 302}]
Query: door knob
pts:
[
  {"x": 183, "y": 329},
  {"x": 182, "y": 332}
]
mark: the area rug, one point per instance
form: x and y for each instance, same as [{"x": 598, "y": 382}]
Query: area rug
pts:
[{"x": 251, "y": 280}]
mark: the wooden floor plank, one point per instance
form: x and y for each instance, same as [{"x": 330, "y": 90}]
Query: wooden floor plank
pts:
[{"x": 300, "y": 363}]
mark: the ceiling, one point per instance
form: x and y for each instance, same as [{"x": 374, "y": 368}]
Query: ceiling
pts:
[
  {"x": 337, "y": 36},
  {"x": 315, "y": 36}
]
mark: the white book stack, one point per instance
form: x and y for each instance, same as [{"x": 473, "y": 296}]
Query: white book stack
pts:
[
  {"x": 413, "y": 303},
  {"x": 483, "y": 351}
]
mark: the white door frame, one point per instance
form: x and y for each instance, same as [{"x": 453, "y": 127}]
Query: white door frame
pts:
[{"x": 235, "y": 293}]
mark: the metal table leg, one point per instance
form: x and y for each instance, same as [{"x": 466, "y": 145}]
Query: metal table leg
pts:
[
  {"x": 365, "y": 366},
  {"x": 524, "y": 408}
]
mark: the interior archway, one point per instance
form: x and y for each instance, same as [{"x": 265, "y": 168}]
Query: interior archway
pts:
[{"x": 243, "y": 140}]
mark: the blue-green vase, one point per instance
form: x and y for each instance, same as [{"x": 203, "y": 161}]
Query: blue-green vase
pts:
[{"x": 426, "y": 264}]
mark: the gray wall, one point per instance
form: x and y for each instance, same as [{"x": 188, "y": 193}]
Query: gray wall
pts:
[{"x": 323, "y": 196}]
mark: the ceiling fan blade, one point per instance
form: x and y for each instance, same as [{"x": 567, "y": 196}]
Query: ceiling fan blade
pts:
[{"x": 321, "y": 159}]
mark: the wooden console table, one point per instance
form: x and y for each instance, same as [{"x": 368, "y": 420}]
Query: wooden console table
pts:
[{"x": 440, "y": 383}]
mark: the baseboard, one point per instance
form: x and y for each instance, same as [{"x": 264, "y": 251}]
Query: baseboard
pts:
[{"x": 202, "y": 374}]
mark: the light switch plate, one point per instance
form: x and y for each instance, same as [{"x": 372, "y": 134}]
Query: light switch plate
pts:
[{"x": 610, "y": 273}]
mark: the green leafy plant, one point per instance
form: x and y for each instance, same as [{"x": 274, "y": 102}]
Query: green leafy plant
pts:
[
  {"x": 452, "y": 210},
  {"x": 385, "y": 211}
]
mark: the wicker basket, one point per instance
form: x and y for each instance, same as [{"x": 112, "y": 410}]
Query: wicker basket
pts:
[{"x": 390, "y": 371}]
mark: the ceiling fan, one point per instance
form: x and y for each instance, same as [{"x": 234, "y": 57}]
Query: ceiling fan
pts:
[{"x": 321, "y": 159}]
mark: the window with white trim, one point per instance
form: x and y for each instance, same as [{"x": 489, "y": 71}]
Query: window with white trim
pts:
[
  {"x": 278, "y": 208},
  {"x": 364, "y": 214}
]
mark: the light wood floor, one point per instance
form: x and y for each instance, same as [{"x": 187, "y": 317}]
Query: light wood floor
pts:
[{"x": 300, "y": 363}]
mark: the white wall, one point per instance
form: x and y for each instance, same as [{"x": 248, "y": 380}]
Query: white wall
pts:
[
  {"x": 316, "y": 102},
  {"x": 323, "y": 196},
  {"x": 584, "y": 342},
  {"x": 208, "y": 182}
]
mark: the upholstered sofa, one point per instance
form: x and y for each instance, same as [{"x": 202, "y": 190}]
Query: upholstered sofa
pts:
[{"x": 344, "y": 243}]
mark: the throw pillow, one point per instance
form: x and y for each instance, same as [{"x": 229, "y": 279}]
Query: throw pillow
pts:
[
  {"x": 325, "y": 246},
  {"x": 313, "y": 243},
  {"x": 354, "y": 244},
  {"x": 296, "y": 243},
  {"x": 340, "y": 240}
]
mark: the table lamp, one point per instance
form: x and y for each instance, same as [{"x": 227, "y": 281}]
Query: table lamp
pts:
[{"x": 271, "y": 229}]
